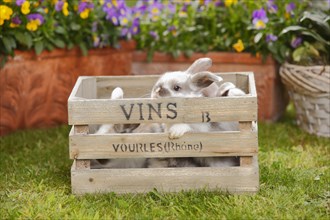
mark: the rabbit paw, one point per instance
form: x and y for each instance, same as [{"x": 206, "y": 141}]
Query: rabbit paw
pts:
[{"x": 178, "y": 130}]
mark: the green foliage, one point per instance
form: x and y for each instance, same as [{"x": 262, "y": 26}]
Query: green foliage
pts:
[
  {"x": 45, "y": 25},
  {"x": 294, "y": 182},
  {"x": 314, "y": 32},
  {"x": 217, "y": 26}
]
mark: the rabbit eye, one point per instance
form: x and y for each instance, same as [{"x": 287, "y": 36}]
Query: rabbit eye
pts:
[{"x": 176, "y": 88}]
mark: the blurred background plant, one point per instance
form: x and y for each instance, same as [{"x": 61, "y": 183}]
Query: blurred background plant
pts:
[
  {"x": 310, "y": 39},
  {"x": 49, "y": 24},
  {"x": 168, "y": 26}
]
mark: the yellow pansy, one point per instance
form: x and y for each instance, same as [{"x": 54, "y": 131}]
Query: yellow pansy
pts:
[
  {"x": 13, "y": 25},
  {"x": 230, "y": 2},
  {"x": 33, "y": 25},
  {"x": 101, "y": 2},
  {"x": 46, "y": 10},
  {"x": 84, "y": 14},
  {"x": 239, "y": 46},
  {"x": 65, "y": 9},
  {"x": 124, "y": 21},
  {"x": 115, "y": 3},
  {"x": 5, "y": 13},
  {"x": 7, "y": 1},
  {"x": 25, "y": 9},
  {"x": 260, "y": 24}
]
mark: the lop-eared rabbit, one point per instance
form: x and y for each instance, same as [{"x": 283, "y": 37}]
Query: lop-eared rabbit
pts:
[{"x": 196, "y": 81}]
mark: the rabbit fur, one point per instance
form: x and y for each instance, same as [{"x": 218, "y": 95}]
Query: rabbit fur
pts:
[
  {"x": 196, "y": 81},
  {"x": 124, "y": 128}
]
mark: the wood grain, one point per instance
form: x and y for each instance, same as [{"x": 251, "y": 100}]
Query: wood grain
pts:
[{"x": 232, "y": 179}]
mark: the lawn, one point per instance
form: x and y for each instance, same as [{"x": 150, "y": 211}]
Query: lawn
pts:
[{"x": 294, "y": 182}]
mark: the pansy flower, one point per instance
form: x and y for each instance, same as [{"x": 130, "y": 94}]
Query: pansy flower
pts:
[
  {"x": 15, "y": 22},
  {"x": 84, "y": 8},
  {"x": 5, "y": 13},
  {"x": 289, "y": 10},
  {"x": 271, "y": 38},
  {"x": 35, "y": 20},
  {"x": 229, "y": 3},
  {"x": 25, "y": 8},
  {"x": 239, "y": 46},
  {"x": 272, "y": 7},
  {"x": 19, "y": 2},
  {"x": 154, "y": 35},
  {"x": 296, "y": 42},
  {"x": 259, "y": 18}
]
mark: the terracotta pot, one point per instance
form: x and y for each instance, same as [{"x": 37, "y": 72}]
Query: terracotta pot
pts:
[
  {"x": 34, "y": 89},
  {"x": 272, "y": 99}
]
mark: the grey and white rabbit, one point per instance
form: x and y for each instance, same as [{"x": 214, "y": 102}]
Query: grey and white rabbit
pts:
[
  {"x": 194, "y": 82},
  {"x": 118, "y": 93}
]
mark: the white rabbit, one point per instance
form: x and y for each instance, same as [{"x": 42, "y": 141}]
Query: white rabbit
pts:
[
  {"x": 118, "y": 93},
  {"x": 189, "y": 83},
  {"x": 194, "y": 82}
]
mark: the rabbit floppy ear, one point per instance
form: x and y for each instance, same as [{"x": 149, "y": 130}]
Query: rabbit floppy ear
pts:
[
  {"x": 117, "y": 93},
  {"x": 204, "y": 79},
  {"x": 199, "y": 65}
]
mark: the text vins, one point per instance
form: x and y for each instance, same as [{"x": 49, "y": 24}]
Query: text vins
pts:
[{"x": 148, "y": 111}]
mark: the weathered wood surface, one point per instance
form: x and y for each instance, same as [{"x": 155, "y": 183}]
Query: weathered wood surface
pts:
[
  {"x": 159, "y": 145},
  {"x": 231, "y": 179},
  {"x": 85, "y": 108}
]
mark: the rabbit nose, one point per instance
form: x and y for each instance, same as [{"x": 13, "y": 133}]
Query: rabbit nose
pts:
[{"x": 160, "y": 91}]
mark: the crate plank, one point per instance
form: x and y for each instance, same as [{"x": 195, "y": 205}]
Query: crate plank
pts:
[
  {"x": 164, "y": 110},
  {"x": 159, "y": 145},
  {"x": 232, "y": 179}
]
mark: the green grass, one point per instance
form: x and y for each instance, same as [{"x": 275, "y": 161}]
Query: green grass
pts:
[{"x": 294, "y": 182}]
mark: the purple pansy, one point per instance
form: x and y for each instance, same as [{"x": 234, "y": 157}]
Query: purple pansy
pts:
[
  {"x": 296, "y": 42},
  {"x": 272, "y": 7},
  {"x": 259, "y": 18},
  {"x": 271, "y": 38},
  {"x": 16, "y": 20},
  {"x": 36, "y": 16},
  {"x": 59, "y": 5},
  {"x": 290, "y": 7},
  {"x": 154, "y": 34},
  {"x": 259, "y": 15},
  {"x": 20, "y": 2},
  {"x": 135, "y": 28},
  {"x": 84, "y": 5}
]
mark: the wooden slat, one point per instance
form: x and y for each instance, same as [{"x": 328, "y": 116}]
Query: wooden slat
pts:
[
  {"x": 82, "y": 164},
  {"x": 159, "y": 145},
  {"x": 245, "y": 126},
  {"x": 246, "y": 161},
  {"x": 232, "y": 179},
  {"x": 170, "y": 110},
  {"x": 81, "y": 129}
]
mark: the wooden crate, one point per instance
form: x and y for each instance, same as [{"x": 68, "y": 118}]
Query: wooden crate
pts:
[{"x": 89, "y": 105}]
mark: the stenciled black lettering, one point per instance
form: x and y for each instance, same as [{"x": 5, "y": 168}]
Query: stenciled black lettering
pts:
[
  {"x": 157, "y": 111},
  {"x": 141, "y": 112},
  {"x": 131, "y": 147},
  {"x": 159, "y": 146},
  {"x": 206, "y": 117},
  {"x": 152, "y": 147},
  {"x": 115, "y": 147},
  {"x": 123, "y": 147},
  {"x": 171, "y": 107},
  {"x": 127, "y": 115}
]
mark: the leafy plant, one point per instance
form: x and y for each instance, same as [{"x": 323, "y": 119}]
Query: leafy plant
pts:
[
  {"x": 231, "y": 25},
  {"x": 310, "y": 38},
  {"x": 45, "y": 25}
]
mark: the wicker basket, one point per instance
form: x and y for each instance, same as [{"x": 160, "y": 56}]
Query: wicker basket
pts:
[{"x": 309, "y": 89}]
